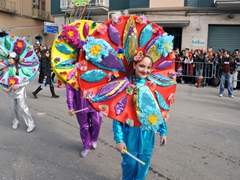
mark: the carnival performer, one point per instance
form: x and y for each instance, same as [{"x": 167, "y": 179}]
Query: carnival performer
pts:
[
  {"x": 138, "y": 142},
  {"x": 65, "y": 53},
  {"x": 16, "y": 95},
  {"x": 45, "y": 74},
  {"x": 89, "y": 119},
  {"x": 121, "y": 45}
]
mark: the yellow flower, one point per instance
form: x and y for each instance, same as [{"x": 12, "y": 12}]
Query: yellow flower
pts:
[
  {"x": 120, "y": 56},
  {"x": 19, "y": 44},
  {"x": 70, "y": 34},
  {"x": 12, "y": 81},
  {"x": 95, "y": 50},
  {"x": 168, "y": 46},
  {"x": 152, "y": 119}
]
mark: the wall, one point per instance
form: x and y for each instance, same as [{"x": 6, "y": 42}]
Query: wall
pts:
[
  {"x": 22, "y": 24},
  {"x": 191, "y": 31}
]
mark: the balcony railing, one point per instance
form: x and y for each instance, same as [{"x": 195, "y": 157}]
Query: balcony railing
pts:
[
  {"x": 40, "y": 14},
  {"x": 66, "y": 4},
  {"x": 8, "y": 6}
]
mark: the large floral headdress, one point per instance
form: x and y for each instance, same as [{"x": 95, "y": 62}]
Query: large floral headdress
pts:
[{"x": 110, "y": 52}]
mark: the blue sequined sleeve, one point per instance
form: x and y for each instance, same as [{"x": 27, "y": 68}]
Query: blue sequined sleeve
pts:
[
  {"x": 118, "y": 131},
  {"x": 163, "y": 129}
]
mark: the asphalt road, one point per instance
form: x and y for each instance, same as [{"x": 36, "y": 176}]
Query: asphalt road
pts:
[{"x": 203, "y": 141}]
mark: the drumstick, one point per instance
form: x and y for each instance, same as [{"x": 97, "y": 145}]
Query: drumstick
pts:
[
  {"x": 74, "y": 112},
  {"x": 138, "y": 160}
]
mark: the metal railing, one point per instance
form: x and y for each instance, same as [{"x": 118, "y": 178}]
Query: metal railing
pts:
[
  {"x": 40, "y": 14},
  {"x": 196, "y": 69},
  {"x": 66, "y": 4},
  {"x": 104, "y": 3},
  {"x": 7, "y": 6}
]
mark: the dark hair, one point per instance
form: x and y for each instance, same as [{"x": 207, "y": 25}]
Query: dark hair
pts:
[{"x": 44, "y": 54}]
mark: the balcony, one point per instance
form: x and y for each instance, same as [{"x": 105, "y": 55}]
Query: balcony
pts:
[
  {"x": 227, "y": 3},
  {"x": 96, "y": 7},
  {"x": 8, "y": 6},
  {"x": 40, "y": 14}
]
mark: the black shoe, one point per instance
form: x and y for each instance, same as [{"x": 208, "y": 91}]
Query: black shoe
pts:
[
  {"x": 34, "y": 95},
  {"x": 234, "y": 88},
  {"x": 55, "y": 96}
]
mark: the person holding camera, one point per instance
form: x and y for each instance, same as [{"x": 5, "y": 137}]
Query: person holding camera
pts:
[{"x": 45, "y": 74}]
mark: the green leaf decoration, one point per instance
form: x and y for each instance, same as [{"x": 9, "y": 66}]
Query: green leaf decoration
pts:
[
  {"x": 26, "y": 71},
  {"x": 64, "y": 49},
  {"x": 3, "y": 53},
  {"x": 12, "y": 71},
  {"x": 7, "y": 44}
]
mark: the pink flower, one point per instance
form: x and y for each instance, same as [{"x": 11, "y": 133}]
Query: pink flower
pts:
[
  {"x": 12, "y": 80},
  {"x": 71, "y": 35},
  {"x": 19, "y": 46}
]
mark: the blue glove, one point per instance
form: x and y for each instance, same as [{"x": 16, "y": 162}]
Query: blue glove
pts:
[{"x": 43, "y": 83}]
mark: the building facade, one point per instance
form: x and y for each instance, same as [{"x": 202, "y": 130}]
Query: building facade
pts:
[
  {"x": 194, "y": 23},
  {"x": 25, "y": 18}
]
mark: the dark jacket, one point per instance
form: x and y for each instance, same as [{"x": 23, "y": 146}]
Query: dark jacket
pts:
[
  {"x": 198, "y": 60},
  {"x": 45, "y": 70}
]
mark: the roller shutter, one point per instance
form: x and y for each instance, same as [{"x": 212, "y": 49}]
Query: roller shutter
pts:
[{"x": 224, "y": 37}]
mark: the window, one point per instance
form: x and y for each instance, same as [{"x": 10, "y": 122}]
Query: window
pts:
[
  {"x": 36, "y": 4},
  {"x": 43, "y": 5}
]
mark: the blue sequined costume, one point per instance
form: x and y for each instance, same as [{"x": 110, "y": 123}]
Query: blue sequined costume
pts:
[{"x": 139, "y": 142}]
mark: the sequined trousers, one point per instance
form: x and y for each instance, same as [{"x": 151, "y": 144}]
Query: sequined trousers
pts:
[{"x": 20, "y": 104}]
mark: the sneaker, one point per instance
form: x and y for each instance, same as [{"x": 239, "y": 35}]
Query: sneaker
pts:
[
  {"x": 59, "y": 86},
  {"x": 220, "y": 95},
  {"x": 31, "y": 128},
  {"x": 84, "y": 153},
  {"x": 231, "y": 96},
  {"x": 15, "y": 125},
  {"x": 94, "y": 145}
]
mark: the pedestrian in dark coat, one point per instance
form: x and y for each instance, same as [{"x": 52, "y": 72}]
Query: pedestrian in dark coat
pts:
[{"x": 45, "y": 74}]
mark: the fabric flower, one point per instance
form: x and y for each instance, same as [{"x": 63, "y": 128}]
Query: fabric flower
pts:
[
  {"x": 164, "y": 44},
  {"x": 12, "y": 80},
  {"x": 150, "y": 119},
  {"x": 71, "y": 35},
  {"x": 95, "y": 49},
  {"x": 19, "y": 46}
]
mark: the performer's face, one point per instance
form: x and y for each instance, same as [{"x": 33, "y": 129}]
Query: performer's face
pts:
[
  {"x": 11, "y": 61},
  {"x": 143, "y": 68}
]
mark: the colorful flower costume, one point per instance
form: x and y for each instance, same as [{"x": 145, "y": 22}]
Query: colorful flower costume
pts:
[
  {"x": 64, "y": 51},
  {"x": 104, "y": 78},
  {"x": 28, "y": 62},
  {"x": 27, "y": 69}
]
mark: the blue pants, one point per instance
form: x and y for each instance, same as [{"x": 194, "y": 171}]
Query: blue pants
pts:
[
  {"x": 227, "y": 76},
  {"x": 133, "y": 170},
  {"x": 198, "y": 72}
]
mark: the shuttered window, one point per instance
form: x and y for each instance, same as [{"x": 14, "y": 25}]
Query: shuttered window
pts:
[{"x": 224, "y": 37}]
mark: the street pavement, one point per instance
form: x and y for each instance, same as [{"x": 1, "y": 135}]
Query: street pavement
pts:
[{"x": 203, "y": 140}]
